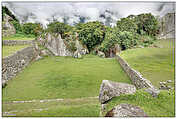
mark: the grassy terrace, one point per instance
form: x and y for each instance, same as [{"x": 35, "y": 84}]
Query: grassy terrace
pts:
[
  {"x": 62, "y": 77},
  {"x": 162, "y": 106},
  {"x": 156, "y": 64},
  {"x": 19, "y": 37},
  {"x": 9, "y": 50}
]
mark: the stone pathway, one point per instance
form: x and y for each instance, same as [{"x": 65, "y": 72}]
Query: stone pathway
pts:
[{"x": 50, "y": 100}]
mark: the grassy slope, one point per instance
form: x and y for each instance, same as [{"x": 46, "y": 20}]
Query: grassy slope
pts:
[
  {"x": 63, "y": 77},
  {"x": 162, "y": 106},
  {"x": 156, "y": 64},
  {"x": 19, "y": 37},
  {"x": 8, "y": 50}
]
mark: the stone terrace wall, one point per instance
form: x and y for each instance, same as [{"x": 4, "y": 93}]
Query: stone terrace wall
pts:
[
  {"x": 134, "y": 75},
  {"x": 17, "y": 42},
  {"x": 12, "y": 64}
]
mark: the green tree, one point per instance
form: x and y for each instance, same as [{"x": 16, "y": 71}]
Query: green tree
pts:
[
  {"x": 91, "y": 34},
  {"x": 58, "y": 27},
  {"x": 147, "y": 24},
  {"x": 32, "y": 28},
  {"x": 127, "y": 24}
]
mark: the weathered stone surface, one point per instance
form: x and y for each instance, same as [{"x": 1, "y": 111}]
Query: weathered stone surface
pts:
[
  {"x": 17, "y": 42},
  {"x": 77, "y": 54},
  {"x": 135, "y": 76},
  {"x": 44, "y": 53},
  {"x": 7, "y": 27},
  {"x": 167, "y": 26},
  {"x": 38, "y": 58},
  {"x": 4, "y": 83},
  {"x": 56, "y": 45},
  {"x": 13, "y": 64},
  {"x": 101, "y": 54},
  {"x": 60, "y": 47},
  {"x": 169, "y": 81},
  {"x": 153, "y": 91},
  {"x": 110, "y": 89},
  {"x": 117, "y": 49},
  {"x": 165, "y": 85},
  {"x": 126, "y": 110}
]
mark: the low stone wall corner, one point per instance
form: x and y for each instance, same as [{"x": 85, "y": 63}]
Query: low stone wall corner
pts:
[
  {"x": 135, "y": 76},
  {"x": 14, "y": 63}
]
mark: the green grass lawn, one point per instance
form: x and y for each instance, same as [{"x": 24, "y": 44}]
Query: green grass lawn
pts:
[
  {"x": 65, "y": 108},
  {"x": 155, "y": 64},
  {"x": 61, "y": 77},
  {"x": 19, "y": 37},
  {"x": 162, "y": 106},
  {"x": 9, "y": 50}
]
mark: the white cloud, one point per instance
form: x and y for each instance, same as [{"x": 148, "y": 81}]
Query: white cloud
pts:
[{"x": 44, "y": 12}]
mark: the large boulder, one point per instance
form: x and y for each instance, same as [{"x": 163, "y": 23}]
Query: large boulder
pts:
[
  {"x": 56, "y": 45},
  {"x": 4, "y": 83},
  {"x": 110, "y": 89},
  {"x": 126, "y": 110},
  {"x": 62, "y": 47},
  {"x": 101, "y": 54},
  {"x": 167, "y": 26},
  {"x": 77, "y": 55},
  {"x": 7, "y": 27}
]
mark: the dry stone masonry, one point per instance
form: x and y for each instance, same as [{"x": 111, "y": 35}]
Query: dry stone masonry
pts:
[
  {"x": 13, "y": 64},
  {"x": 135, "y": 76},
  {"x": 17, "y": 42},
  {"x": 126, "y": 110},
  {"x": 110, "y": 89},
  {"x": 167, "y": 26}
]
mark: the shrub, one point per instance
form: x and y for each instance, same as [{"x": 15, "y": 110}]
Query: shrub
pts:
[
  {"x": 128, "y": 39},
  {"x": 32, "y": 28},
  {"x": 111, "y": 38},
  {"x": 17, "y": 26},
  {"x": 127, "y": 24},
  {"x": 146, "y": 40},
  {"x": 58, "y": 27},
  {"x": 91, "y": 34},
  {"x": 147, "y": 23}
]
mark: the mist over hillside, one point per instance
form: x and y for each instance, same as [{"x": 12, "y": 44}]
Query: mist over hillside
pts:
[{"x": 81, "y": 12}]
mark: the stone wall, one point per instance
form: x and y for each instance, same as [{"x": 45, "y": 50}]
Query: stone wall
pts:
[
  {"x": 167, "y": 26},
  {"x": 134, "y": 75},
  {"x": 17, "y": 42},
  {"x": 12, "y": 64}
]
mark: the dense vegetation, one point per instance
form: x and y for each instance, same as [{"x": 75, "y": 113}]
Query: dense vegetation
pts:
[
  {"x": 140, "y": 30},
  {"x": 129, "y": 32}
]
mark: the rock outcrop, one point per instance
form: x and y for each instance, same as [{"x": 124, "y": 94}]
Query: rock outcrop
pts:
[
  {"x": 126, "y": 110},
  {"x": 101, "y": 54},
  {"x": 7, "y": 27},
  {"x": 110, "y": 89},
  {"x": 62, "y": 47},
  {"x": 167, "y": 26}
]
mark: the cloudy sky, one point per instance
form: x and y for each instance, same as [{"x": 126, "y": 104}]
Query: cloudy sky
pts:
[{"x": 75, "y": 12}]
